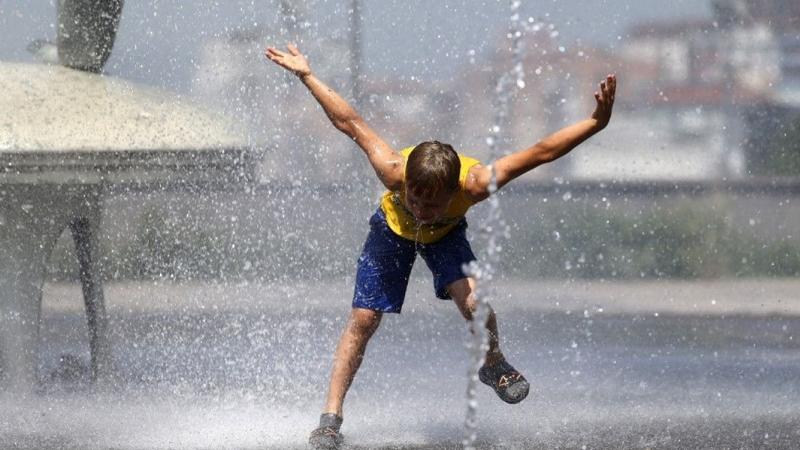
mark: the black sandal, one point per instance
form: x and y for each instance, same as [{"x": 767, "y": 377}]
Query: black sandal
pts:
[
  {"x": 509, "y": 384},
  {"x": 327, "y": 435}
]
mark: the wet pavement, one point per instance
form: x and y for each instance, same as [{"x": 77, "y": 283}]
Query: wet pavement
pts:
[{"x": 242, "y": 366}]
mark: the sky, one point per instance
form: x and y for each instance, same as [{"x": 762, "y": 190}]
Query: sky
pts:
[{"x": 158, "y": 40}]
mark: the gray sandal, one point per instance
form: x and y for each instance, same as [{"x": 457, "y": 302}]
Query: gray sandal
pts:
[
  {"x": 509, "y": 384},
  {"x": 327, "y": 435}
]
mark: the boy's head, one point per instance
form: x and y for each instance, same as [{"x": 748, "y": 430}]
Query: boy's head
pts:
[{"x": 432, "y": 173}]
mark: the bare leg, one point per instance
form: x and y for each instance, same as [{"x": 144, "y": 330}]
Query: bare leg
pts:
[
  {"x": 463, "y": 293},
  {"x": 349, "y": 354},
  {"x": 496, "y": 372}
]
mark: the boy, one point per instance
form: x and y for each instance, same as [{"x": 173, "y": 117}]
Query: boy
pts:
[{"x": 429, "y": 189}]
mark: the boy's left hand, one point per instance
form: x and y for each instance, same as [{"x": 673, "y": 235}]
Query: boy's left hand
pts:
[
  {"x": 292, "y": 60},
  {"x": 605, "y": 101}
]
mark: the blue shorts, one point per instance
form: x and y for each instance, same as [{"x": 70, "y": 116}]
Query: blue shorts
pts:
[{"x": 386, "y": 261}]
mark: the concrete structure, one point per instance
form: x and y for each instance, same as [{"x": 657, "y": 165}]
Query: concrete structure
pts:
[{"x": 66, "y": 137}]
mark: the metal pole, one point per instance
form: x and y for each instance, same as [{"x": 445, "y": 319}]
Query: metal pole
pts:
[
  {"x": 359, "y": 169},
  {"x": 355, "y": 51}
]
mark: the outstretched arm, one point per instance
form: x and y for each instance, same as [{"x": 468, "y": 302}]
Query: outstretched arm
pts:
[
  {"x": 388, "y": 164},
  {"x": 548, "y": 149}
]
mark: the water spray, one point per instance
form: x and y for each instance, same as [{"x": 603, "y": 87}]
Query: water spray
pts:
[{"x": 495, "y": 227}]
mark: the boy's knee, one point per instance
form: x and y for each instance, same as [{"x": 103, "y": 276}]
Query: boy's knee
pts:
[
  {"x": 461, "y": 290},
  {"x": 463, "y": 294},
  {"x": 364, "y": 321}
]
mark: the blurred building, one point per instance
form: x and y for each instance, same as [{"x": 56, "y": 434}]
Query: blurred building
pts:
[
  {"x": 405, "y": 111},
  {"x": 771, "y": 123},
  {"x": 782, "y": 17},
  {"x": 558, "y": 87},
  {"x": 696, "y": 98},
  {"x": 651, "y": 137},
  {"x": 720, "y": 88},
  {"x": 297, "y": 142},
  {"x": 692, "y": 78}
]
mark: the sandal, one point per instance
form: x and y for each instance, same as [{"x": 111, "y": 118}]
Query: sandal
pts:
[
  {"x": 327, "y": 435},
  {"x": 509, "y": 384}
]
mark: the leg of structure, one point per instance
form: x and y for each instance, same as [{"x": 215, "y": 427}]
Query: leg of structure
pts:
[
  {"x": 32, "y": 218},
  {"x": 28, "y": 231},
  {"x": 84, "y": 232}
]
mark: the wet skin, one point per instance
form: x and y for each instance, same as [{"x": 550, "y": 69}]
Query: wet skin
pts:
[{"x": 425, "y": 207}]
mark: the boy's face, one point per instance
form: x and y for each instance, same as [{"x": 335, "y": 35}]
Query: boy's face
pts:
[{"x": 425, "y": 206}]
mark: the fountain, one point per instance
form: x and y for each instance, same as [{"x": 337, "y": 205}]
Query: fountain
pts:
[
  {"x": 494, "y": 227},
  {"x": 68, "y": 136}
]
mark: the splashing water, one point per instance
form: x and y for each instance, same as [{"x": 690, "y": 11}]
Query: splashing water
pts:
[{"x": 495, "y": 226}]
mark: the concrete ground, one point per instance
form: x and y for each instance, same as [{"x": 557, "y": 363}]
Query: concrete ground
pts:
[
  {"x": 663, "y": 364},
  {"x": 716, "y": 297}
]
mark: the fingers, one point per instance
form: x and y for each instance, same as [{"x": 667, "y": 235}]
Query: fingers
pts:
[
  {"x": 611, "y": 87},
  {"x": 293, "y": 61},
  {"x": 603, "y": 92},
  {"x": 608, "y": 88},
  {"x": 273, "y": 53}
]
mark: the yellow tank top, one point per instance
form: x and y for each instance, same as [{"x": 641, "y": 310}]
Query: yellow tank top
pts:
[{"x": 402, "y": 222}]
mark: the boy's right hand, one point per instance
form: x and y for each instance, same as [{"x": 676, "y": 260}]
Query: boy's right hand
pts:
[
  {"x": 605, "y": 101},
  {"x": 293, "y": 61}
]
